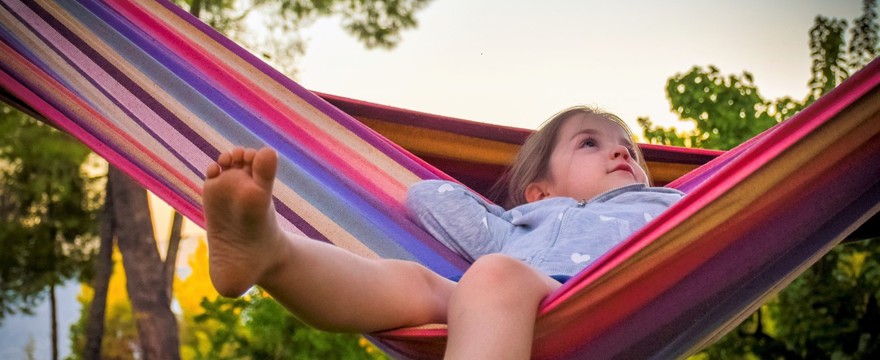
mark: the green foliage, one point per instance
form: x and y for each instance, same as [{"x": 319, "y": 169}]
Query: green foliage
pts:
[
  {"x": 47, "y": 210},
  {"x": 831, "y": 310},
  {"x": 257, "y": 327},
  {"x": 379, "y": 23},
  {"x": 865, "y": 32},
  {"x": 725, "y": 110},
  {"x": 827, "y": 46}
]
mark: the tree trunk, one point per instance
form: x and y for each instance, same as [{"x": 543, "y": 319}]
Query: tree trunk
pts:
[
  {"x": 171, "y": 253},
  {"x": 156, "y": 324},
  {"x": 54, "y": 315},
  {"x": 101, "y": 283},
  {"x": 196, "y": 8}
]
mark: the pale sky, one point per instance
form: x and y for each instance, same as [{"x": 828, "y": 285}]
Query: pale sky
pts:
[{"x": 517, "y": 62}]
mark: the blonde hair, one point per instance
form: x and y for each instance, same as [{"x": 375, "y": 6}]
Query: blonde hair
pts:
[{"x": 532, "y": 162}]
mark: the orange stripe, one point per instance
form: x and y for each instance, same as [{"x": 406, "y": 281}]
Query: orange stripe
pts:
[
  {"x": 433, "y": 143},
  {"x": 443, "y": 144}
]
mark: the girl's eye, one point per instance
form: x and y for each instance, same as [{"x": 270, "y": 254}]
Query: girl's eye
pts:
[
  {"x": 589, "y": 142},
  {"x": 632, "y": 152}
]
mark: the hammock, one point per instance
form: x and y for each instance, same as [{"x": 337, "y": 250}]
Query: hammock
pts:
[{"x": 158, "y": 94}]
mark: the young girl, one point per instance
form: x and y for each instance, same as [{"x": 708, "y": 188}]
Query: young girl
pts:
[{"x": 577, "y": 188}]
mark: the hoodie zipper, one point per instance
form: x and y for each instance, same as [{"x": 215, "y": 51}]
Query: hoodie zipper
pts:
[{"x": 584, "y": 202}]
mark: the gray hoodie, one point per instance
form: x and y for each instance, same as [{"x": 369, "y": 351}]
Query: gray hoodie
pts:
[{"x": 558, "y": 236}]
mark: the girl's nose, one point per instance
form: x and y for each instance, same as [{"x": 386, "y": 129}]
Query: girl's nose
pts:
[{"x": 618, "y": 151}]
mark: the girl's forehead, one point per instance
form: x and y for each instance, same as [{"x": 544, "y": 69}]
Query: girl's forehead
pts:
[{"x": 591, "y": 123}]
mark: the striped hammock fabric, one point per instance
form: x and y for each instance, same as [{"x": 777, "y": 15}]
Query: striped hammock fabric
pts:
[{"x": 159, "y": 94}]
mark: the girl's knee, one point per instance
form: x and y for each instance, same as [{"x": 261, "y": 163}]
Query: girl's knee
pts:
[
  {"x": 497, "y": 270},
  {"x": 504, "y": 276}
]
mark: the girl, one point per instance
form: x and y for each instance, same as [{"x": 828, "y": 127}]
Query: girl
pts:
[{"x": 577, "y": 188}]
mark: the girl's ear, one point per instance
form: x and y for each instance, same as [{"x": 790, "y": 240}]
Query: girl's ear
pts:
[{"x": 536, "y": 191}]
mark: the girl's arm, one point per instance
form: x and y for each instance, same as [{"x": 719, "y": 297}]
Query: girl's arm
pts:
[{"x": 458, "y": 218}]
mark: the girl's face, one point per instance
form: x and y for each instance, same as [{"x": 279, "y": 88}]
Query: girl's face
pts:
[{"x": 592, "y": 155}]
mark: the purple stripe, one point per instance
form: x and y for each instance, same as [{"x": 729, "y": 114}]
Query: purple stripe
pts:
[{"x": 306, "y": 228}]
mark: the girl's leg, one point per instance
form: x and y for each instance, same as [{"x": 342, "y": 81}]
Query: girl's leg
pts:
[
  {"x": 323, "y": 285},
  {"x": 493, "y": 309},
  {"x": 335, "y": 290}
]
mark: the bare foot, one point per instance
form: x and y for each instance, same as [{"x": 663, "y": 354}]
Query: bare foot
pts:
[{"x": 244, "y": 240}]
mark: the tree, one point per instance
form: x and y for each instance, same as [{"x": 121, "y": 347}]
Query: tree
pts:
[
  {"x": 830, "y": 311},
  {"x": 726, "y": 110},
  {"x": 47, "y": 207},
  {"x": 147, "y": 287},
  {"x": 121, "y": 339},
  {"x": 103, "y": 265}
]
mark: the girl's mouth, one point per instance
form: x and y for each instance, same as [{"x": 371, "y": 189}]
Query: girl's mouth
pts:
[{"x": 623, "y": 167}]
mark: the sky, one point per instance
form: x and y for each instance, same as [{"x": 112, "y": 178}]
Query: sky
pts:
[{"x": 518, "y": 62}]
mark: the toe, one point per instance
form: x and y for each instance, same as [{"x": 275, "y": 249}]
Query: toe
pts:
[
  {"x": 237, "y": 157},
  {"x": 224, "y": 160},
  {"x": 249, "y": 155},
  {"x": 212, "y": 171},
  {"x": 264, "y": 167}
]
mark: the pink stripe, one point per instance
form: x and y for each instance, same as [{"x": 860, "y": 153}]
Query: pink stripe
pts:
[{"x": 336, "y": 154}]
